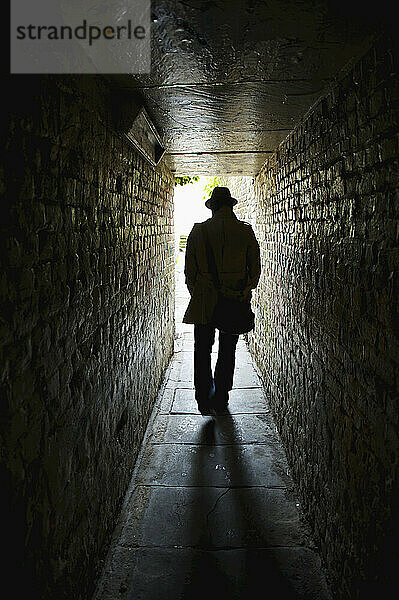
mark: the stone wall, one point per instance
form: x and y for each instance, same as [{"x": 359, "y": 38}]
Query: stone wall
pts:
[
  {"x": 325, "y": 210},
  {"x": 86, "y": 289}
]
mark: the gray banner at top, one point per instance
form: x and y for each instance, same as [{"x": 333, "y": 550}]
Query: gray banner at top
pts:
[{"x": 80, "y": 36}]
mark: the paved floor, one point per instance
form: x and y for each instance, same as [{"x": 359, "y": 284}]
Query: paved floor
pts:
[{"x": 211, "y": 512}]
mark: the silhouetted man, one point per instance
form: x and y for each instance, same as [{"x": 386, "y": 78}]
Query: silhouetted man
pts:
[{"x": 236, "y": 257}]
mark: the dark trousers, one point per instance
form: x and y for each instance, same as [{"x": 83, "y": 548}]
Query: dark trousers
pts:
[{"x": 222, "y": 381}]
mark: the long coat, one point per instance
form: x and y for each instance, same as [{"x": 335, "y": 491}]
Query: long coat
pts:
[{"x": 237, "y": 259}]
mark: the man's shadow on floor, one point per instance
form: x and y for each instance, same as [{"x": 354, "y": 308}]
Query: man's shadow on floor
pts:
[{"x": 247, "y": 563}]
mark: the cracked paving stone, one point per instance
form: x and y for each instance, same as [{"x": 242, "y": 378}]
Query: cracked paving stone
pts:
[{"x": 210, "y": 517}]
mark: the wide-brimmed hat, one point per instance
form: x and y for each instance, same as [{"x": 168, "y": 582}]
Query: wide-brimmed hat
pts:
[{"x": 220, "y": 196}]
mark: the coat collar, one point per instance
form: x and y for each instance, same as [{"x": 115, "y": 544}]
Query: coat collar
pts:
[{"x": 224, "y": 212}]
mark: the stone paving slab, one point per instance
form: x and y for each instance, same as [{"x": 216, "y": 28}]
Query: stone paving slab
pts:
[
  {"x": 210, "y": 517},
  {"x": 166, "y": 400},
  {"x": 281, "y": 573},
  {"x": 219, "y": 466},
  {"x": 243, "y": 400},
  {"x": 183, "y": 372},
  {"x": 195, "y": 429},
  {"x": 150, "y": 574},
  {"x": 245, "y": 377}
]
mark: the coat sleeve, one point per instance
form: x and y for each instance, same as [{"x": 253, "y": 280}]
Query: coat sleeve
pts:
[
  {"x": 253, "y": 260},
  {"x": 191, "y": 265}
]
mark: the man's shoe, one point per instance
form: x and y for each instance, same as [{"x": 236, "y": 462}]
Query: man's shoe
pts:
[
  {"x": 206, "y": 410},
  {"x": 221, "y": 403},
  {"x": 222, "y": 409}
]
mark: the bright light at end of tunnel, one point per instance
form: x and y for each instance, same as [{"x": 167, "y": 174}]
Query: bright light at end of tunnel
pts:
[{"x": 190, "y": 206}]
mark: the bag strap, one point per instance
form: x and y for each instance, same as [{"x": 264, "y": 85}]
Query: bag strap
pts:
[{"x": 211, "y": 259}]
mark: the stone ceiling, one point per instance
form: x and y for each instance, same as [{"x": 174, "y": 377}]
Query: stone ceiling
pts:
[{"x": 230, "y": 79}]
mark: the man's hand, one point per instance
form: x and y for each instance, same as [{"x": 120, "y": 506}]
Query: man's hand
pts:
[{"x": 244, "y": 295}]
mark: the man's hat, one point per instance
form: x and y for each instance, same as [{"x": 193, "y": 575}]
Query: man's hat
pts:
[{"x": 220, "y": 196}]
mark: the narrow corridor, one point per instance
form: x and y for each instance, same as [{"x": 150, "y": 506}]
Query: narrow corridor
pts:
[
  {"x": 294, "y": 107},
  {"x": 211, "y": 510}
]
